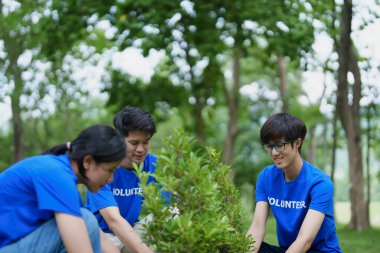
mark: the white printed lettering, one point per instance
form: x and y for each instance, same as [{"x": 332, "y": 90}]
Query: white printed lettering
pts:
[
  {"x": 127, "y": 192},
  {"x": 286, "y": 203}
]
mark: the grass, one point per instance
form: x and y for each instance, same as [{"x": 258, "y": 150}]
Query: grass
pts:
[
  {"x": 350, "y": 241},
  {"x": 357, "y": 242}
]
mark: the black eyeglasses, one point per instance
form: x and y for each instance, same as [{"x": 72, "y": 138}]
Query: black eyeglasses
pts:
[{"x": 279, "y": 147}]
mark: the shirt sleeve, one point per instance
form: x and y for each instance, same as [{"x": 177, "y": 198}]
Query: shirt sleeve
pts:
[
  {"x": 150, "y": 166},
  {"x": 260, "y": 191},
  {"x": 103, "y": 198},
  {"x": 57, "y": 191},
  {"x": 322, "y": 195}
]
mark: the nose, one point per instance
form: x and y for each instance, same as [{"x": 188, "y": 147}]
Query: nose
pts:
[{"x": 140, "y": 148}]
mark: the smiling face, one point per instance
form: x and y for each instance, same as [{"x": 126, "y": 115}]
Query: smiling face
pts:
[
  {"x": 286, "y": 156},
  {"x": 137, "y": 148},
  {"x": 98, "y": 174}
]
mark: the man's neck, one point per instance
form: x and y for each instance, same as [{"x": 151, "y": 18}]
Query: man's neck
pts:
[{"x": 294, "y": 169}]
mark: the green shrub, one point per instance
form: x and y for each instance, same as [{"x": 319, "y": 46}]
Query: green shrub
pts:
[{"x": 204, "y": 213}]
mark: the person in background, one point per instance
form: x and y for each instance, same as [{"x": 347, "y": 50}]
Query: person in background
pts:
[
  {"x": 40, "y": 205},
  {"x": 299, "y": 194},
  {"x": 117, "y": 206}
]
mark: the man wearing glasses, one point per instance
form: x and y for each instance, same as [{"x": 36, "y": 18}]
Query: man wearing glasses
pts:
[{"x": 299, "y": 194}]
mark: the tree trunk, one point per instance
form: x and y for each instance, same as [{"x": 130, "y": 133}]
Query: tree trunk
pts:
[
  {"x": 325, "y": 145},
  {"x": 199, "y": 104},
  {"x": 233, "y": 106},
  {"x": 14, "y": 50},
  {"x": 311, "y": 148},
  {"x": 334, "y": 145},
  {"x": 369, "y": 140},
  {"x": 283, "y": 83},
  {"x": 199, "y": 122},
  {"x": 349, "y": 115},
  {"x": 362, "y": 215},
  {"x": 18, "y": 133}
]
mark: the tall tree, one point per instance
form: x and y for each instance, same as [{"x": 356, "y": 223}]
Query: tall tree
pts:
[
  {"x": 180, "y": 29},
  {"x": 283, "y": 83},
  {"x": 334, "y": 146},
  {"x": 349, "y": 115},
  {"x": 236, "y": 14},
  {"x": 195, "y": 34},
  {"x": 40, "y": 31},
  {"x": 371, "y": 124},
  {"x": 15, "y": 43}
]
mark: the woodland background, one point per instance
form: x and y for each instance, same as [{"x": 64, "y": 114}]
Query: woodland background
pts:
[{"x": 222, "y": 68}]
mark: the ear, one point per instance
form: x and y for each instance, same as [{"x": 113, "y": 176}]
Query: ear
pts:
[
  {"x": 87, "y": 160},
  {"x": 298, "y": 142}
]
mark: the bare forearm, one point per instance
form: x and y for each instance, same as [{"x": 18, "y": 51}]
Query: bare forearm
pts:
[
  {"x": 129, "y": 238},
  {"x": 259, "y": 238},
  {"x": 124, "y": 231},
  {"x": 258, "y": 226},
  {"x": 299, "y": 246},
  {"x": 308, "y": 232}
]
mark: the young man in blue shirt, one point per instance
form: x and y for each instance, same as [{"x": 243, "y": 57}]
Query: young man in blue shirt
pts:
[
  {"x": 118, "y": 205},
  {"x": 299, "y": 194}
]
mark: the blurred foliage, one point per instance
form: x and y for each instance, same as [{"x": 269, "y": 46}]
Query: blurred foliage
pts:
[
  {"x": 6, "y": 140},
  {"x": 51, "y": 129},
  {"x": 159, "y": 95},
  {"x": 42, "y": 46},
  {"x": 198, "y": 39},
  {"x": 66, "y": 17}
]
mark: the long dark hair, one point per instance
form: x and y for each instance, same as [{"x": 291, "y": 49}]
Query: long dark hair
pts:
[{"x": 100, "y": 141}]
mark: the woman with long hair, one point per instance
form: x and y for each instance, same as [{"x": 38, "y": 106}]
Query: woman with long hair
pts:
[{"x": 40, "y": 205}]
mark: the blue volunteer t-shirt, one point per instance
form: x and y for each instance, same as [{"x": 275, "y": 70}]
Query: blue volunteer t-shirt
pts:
[
  {"x": 290, "y": 201},
  {"x": 124, "y": 192},
  {"x": 31, "y": 191}
]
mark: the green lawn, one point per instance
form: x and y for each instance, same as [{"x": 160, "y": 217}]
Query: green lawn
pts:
[
  {"x": 358, "y": 242},
  {"x": 350, "y": 241}
]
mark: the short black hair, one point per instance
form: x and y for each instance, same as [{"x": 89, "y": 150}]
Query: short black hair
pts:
[
  {"x": 283, "y": 126},
  {"x": 134, "y": 119}
]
